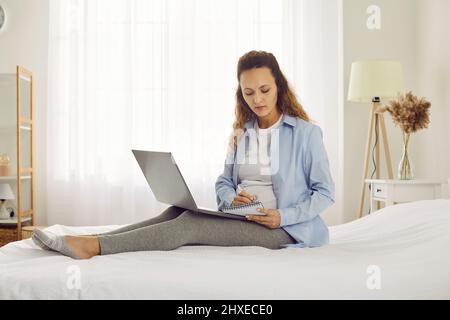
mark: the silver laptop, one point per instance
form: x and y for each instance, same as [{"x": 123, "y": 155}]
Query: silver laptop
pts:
[{"x": 167, "y": 183}]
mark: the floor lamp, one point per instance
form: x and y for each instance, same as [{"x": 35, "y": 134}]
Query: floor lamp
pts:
[{"x": 371, "y": 81}]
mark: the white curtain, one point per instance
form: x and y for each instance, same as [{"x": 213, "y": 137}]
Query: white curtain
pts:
[
  {"x": 318, "y": 78},
  {"x": 161, "y": 75}
]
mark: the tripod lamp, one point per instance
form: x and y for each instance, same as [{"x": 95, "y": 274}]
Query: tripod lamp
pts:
[{"x": 371, "y": 81}]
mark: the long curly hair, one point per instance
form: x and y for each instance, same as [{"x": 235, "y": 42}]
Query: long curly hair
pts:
[{"x": 286, "y": 100}]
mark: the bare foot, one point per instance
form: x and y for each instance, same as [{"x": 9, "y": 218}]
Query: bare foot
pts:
[{"x": 84, "y": 247}]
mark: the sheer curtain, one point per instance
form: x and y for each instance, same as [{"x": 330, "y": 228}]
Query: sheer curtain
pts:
[{"x": 160, "y": 75}]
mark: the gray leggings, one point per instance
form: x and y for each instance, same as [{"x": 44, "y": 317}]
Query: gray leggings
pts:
[{"x": 176, "y": 227}]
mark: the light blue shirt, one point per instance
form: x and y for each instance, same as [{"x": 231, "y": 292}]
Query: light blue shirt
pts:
[{"x": 301, "y": 179}]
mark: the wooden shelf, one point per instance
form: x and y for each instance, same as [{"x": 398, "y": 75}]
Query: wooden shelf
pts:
[
  {"x": 16, "y": 131},
  {"x": 13, "y": 221},
  {"x": 14, "y": 178},
  {"x": 13, "y": 129}
]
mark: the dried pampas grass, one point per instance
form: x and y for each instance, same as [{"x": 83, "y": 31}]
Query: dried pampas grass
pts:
[{"x": 409, "y": 112}]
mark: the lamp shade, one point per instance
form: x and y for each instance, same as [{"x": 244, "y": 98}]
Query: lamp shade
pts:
[
  {"x": 375, "y": 78},
  {"x": 6, "y": 192}
]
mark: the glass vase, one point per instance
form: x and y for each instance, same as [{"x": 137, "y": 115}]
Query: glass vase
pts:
[{"x": 405, "y": 170}]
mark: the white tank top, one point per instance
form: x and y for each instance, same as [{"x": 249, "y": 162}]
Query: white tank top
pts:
[{"x": 254, "y": 173}]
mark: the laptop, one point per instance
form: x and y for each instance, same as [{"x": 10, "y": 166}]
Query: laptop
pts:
[{"x": 167, "y": 183}]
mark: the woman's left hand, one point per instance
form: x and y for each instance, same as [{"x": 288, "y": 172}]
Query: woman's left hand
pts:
[{"x": 271, "y": 219}]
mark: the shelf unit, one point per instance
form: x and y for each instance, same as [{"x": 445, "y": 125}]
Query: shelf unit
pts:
[{"x": 16, "y": 140}]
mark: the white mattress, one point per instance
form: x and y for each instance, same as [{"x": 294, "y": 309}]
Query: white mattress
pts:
[{"x": 408, "y": 244}]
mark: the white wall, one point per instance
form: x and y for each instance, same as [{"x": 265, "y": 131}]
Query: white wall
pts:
[
  {"x": 431, "y": 153},
  {"x": 396, "y": 40},
  {"x": 24, "y": 41}
]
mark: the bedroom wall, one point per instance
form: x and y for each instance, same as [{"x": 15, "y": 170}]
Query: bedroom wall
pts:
[
  {"x": 432, "y": 152},
  {"x": 396, "y": 40},
  {"x": 24, "y": 41}
]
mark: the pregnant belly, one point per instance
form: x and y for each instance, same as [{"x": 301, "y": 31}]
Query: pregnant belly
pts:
[{"x": 264, "y": 194}]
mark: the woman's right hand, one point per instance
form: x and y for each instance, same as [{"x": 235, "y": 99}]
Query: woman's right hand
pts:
[{"x": 242, "y": 198}]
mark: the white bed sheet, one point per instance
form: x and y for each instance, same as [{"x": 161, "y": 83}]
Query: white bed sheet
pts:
[{"x": 409, "y": 243}]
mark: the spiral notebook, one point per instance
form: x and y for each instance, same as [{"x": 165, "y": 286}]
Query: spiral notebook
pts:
[{"x": 245, "y": 209}]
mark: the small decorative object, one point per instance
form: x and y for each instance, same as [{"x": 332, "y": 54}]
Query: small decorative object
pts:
[
  {"x": 411, "y": 114},
  {"x": 5, "y": 165},
  {"x": 5, "y": 194}
]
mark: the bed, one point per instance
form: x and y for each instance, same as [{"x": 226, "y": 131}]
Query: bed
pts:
[{"x": 399, "y": 252}]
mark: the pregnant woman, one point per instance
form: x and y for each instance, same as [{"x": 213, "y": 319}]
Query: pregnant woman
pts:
[{"x": 276, "y": 156}]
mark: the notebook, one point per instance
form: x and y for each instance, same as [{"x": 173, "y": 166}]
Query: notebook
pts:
[{"x": 245, "y": 209}]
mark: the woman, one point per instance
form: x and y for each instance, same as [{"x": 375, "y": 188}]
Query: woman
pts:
[{"x": 293, "y": 182}]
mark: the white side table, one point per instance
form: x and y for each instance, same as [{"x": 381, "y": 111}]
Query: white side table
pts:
[{"x": 398, "y": 191}]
